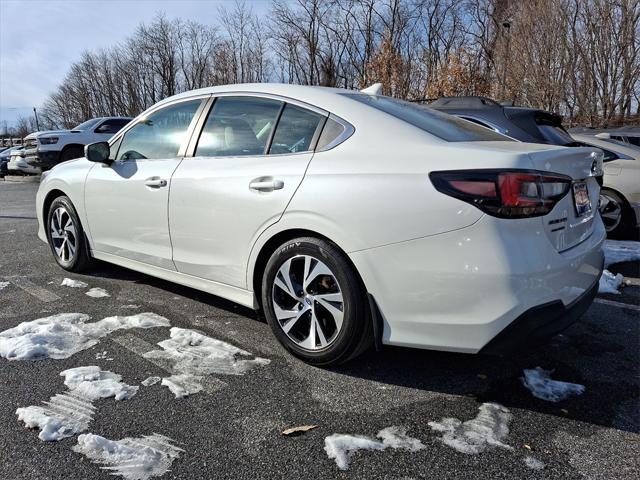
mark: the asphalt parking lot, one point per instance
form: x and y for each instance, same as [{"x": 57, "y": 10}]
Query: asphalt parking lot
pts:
[{"x": 233, "y": 428}]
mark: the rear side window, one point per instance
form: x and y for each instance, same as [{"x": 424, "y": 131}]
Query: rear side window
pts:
[
  {"x": 295, "y": 131},
  {"x": 238, "y": 126},
  {"x": 161, "y": 134},
  {"x": 444, "y": 126},
  {"x": 331, "y": 134}
]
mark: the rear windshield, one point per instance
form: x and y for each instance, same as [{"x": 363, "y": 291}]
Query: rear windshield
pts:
[{"x": 444, "y": 126}]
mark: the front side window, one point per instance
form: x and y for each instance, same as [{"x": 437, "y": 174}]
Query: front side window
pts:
[
  {"x": 238, "y": 126},
  {"x": 161, "y": 134},
  {"x": 444, "y": 126},
  {"x": 295, "y": 131}
]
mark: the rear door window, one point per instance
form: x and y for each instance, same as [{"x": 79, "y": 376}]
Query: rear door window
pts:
[
  {"x": 238, "y": 126},
  {"x": 296, "y": 130}
]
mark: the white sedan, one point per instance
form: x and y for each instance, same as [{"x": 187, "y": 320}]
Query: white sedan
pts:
[{"x": 349, "y": 218}]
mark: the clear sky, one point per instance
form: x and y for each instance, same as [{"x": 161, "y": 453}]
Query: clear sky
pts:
[{"x": 39, "y": 39}]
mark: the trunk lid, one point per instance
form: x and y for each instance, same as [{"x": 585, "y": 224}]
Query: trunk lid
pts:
[{"x": 567, "y": 225}]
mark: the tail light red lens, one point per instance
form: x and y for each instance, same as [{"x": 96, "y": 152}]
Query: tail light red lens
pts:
[{"x": 504, "y": 194}]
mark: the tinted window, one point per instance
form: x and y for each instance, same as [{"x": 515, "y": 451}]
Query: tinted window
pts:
[
  {"x": 296, "y": 128},
  {"x": 86, "y": 125},
  {"x": 238, "y": 126},
  {"x": 330, "y": 133},
  {"x": 555, "y": 135},
  {"x": 112, "y": 126},
  {"x": 161, "y": 134},
  {"x": 478, "y": 122},
  {"x": 442, "y": 125}
]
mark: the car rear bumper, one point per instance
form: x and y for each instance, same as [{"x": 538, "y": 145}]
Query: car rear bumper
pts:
[{"x": 459, "y": 290}]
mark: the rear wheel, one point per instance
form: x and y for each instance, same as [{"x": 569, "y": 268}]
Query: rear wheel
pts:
[
  {"x": 315, "y": 302},
  {"x": 66, "y": 237},
  {"x": 617, "y": 216}
]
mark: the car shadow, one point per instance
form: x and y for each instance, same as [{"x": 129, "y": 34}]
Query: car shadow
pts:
[{"x": 609, "y": 403}]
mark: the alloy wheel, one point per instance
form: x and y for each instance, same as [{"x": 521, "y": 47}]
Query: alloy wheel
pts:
[
  {"x": 307, "y": 302},
  {"x": 610, "y": 211},
  {"x": 63, "y": 234}
]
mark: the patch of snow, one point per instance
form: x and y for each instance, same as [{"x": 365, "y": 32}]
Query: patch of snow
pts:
[
  {"x": 147, "y": 382},
  {"x": 609, "y": 283},
  {"x": 131, "y": 306},
  {"x": 340, "y": 447},
  {"x": 539, "y": 383},
  {"x": 97, "y": 292},
  {"x": 3, "y": 285},
  {"x": 183, "y": 384},
  {"x": 193, "y": 355},
  {"x": 69, "y": 282},
  {"x": 101, "y": 356},
  {"x": 68, "y": 414},
  {"x": 62, "y": 335},
  {"x": 131, "y": 458},
  {"x": 618, "y": 251},
  {"x": 488, "y": 429},
  {"x": 533, "y": 463}
]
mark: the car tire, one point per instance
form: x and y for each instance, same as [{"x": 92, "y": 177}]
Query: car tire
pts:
[
  {"x": 324, "y": 318},
  {"x": 66, "y": 236},
  {"x": 624, "y": 229},
  {"x": 71, "y": 153}
]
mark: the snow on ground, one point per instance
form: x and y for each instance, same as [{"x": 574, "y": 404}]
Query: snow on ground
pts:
[
  {"x": 68, "y": 414},
  {"x": 193, "y": 355},
  {"x": 340, "y": 447},
  {"x": 3, "y": 285},
  {"x": 609, "y": 283},
  {"x": 147, "y": 382},
  {"x": 533, "y": 463},
  {"x": 617, "y": 251},
  {"x": 69, "y": 282},
  {"x": 488, "y": 429},
  {"x": 131, "y": 458},
  {"x": 62, "y": 335},
  {"x": 183, "y": 384},
  {"x": 539, "y": 383},
  {"x": 97, "y": 292}
]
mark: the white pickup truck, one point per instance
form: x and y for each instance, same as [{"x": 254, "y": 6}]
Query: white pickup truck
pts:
[{"x": 48, "y": 148}]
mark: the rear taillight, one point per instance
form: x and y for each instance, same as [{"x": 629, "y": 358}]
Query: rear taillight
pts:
[{"x": 504, "y": 193}]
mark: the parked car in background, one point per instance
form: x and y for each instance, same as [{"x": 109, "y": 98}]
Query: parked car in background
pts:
[
  {"x": 349, "y": 218},
  {"x": 18, "y": 165},
  {"x": 621, "y": 189},
  {"x": 522, "y": 123},
  {"x": 46, "y": 149},
  {"x": 5, "y": 156},
  {"x": 627, "y": 135}
]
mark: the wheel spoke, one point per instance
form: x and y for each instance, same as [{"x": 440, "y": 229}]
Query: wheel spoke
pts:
[
  {"x": 335, "y": 312},
  {"x": 319, "y": 269},
  {"x": 321, "y": 337},
  {"x": 280, "y": 284},
  {"x": 287, "y": 326},
  {"x": 70, "y": 227},
  {"x": 59, "y": 249},
  {"x": 310, "y": 341},
  {"x": 55, "y": 235},
  {"x": 71, "y": 248}
]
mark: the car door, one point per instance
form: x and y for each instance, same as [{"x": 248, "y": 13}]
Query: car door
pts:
[
  {"x": 248, "y": 161},
  {"x": 126, "y": 201}
]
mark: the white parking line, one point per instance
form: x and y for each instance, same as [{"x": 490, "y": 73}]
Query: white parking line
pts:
[
  {"x": 140, "y": 347},
  {"x": 611, "y": 303},
  {"x": 33, "y": 289}
]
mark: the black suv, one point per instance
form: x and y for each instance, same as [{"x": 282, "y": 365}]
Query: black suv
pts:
[{"x": 525, "y": 124}]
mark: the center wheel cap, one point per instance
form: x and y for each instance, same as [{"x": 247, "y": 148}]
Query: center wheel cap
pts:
[{"x": 308, "y": 300}]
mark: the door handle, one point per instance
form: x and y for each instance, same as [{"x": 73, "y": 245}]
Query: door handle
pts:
[
  {"x": 266, "y": 184},
  {"x": 155, "y": 182}
]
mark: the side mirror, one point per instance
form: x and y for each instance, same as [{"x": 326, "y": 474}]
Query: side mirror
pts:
[
  {"x": 98, "y": 152},
  {"x": 103, "y": 129}
]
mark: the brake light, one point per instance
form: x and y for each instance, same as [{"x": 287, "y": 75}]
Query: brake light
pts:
[{"x": 504, "y": 193}]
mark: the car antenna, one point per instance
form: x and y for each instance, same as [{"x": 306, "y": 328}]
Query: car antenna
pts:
[{"x": 375, "y": 89}]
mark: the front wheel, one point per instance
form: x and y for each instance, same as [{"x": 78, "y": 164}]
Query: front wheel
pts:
[
  {"x": 66, "y": 237},
  {"x": 315, "y": 302}
]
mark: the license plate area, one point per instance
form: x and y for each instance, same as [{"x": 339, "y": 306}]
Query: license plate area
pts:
[{"x": 581, "y": 198}]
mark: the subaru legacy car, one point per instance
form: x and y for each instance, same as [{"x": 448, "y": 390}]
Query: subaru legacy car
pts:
[{"x": 351, "y": 219}]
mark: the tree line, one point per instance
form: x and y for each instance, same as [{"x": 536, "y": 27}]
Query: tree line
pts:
[{"x": 579, "y": 58}]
